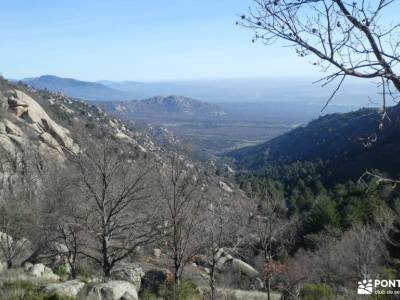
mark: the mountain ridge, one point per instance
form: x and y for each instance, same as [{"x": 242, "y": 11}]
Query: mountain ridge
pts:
[
  {"x": 76, "y": 88},
  {"x": 349, "y": 142},
  {"x": 169, "y": 107}
]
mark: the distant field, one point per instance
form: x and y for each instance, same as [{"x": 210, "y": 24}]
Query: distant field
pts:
[
  {"x": 217, "y": 137},
  {"x": 245, "y": 124}
]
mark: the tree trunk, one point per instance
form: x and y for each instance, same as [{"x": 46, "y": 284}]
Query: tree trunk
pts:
[
  {"x": 106, "y": 263},
  {"x": 212, "y": 279},
  {"x": 212, "y": 286},
  {"x": 73, "y": 273},
  {"x": 177, "y": 282},
  {"x": 268, "y": 289}
]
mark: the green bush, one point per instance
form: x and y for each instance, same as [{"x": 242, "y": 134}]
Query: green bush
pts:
[
  {"x": 316, "y": 292},
  {"x": 91, "y": 125},
  {"x": 148, "y": 295},
  {"x": 188, "y": 291},
  {"x": 26, "y": 290},
  {"x": 83, "y": 272},
  {"x": 60, "y": 270}
]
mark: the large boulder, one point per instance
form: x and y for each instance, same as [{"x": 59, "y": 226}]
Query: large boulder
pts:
[
  {"x": 41, "y": 271},
  {"x": 244, "y": 268},
  {"x": 225, "y": 187},
  {"x": 36, "y": 270},
  {"x": 223, "y": 259},
  {"x": 128, "y": 296},
  {"x": 128, "y": 272},
  {"x": 69, "y": 288},
  {"x": 113, "y": 290},
  {"x": 157, "y": 252}
]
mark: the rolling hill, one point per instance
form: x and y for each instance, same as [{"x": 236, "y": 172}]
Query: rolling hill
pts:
[
  {"x": 170, "y": 107},
  {"x": 349, "y": 142}
]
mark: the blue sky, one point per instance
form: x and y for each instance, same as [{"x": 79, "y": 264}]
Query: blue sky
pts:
[{"x": 136, "y": 40}]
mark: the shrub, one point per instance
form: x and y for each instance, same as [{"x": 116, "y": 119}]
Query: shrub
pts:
[
  {"x": 26, "y": 290},
  {"x": 188, "y": 291},
  {"x": 91, "y": 125},
  {"x": 83, "y": 272},
  {"x": 148, "y": 295},
  {"x": 60, "y": 270},
  {"x": 316, "y": 292}
]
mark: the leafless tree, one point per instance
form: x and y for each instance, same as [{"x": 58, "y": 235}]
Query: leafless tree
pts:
[
  {"x": 120, "y": 215},
  {"x": 343, "y": 260},
  {"x": 274, "y": 232},
  {"x": 181, "y": 192},
  {"x": 343, "y": 38},
  {"x": 225, "y": 220},
  {"x": 66, "y": 218},
  {"x": 23, "y": 188},
  {"x": 14, "y": 223}
]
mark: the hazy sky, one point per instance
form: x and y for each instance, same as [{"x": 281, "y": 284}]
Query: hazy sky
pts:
[{"x": 136, "y": 40}]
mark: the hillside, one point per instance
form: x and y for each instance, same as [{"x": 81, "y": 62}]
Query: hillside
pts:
[
  {"x": 349, "y": 142},
  {"x": 76, "y": 88},
  {"x": 170, "y": 107},
  {"x": 64, "y": 166},
  {"x": 49, "y": 126}
]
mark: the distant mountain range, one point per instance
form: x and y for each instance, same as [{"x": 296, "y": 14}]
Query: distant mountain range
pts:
[
  {"x": 349, "y": 142},
  {"x": 279, "y": 90},
  {"x": 171, "y": 107},
  {"x": 76, "y": 88}
]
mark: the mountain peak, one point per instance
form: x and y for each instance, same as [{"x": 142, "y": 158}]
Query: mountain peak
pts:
[{"x": 170, "y": 106}]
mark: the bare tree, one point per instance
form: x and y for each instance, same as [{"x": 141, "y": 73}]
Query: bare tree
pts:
[
  {"x": 181, "y": 190},
  {"x": 22, "y": 190},
  {"x": 225, "y": 219},
  {"x": 343, "y": 260},
  {"x": 120, "y": 215},
  {"x": 273, "y": 232},
  {"x": 66, "y": 217},
  {"x": 14, "y": 222},
  {"x": 344, "y": 38}
]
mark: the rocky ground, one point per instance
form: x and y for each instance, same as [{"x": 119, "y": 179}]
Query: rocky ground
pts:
[{"x": 129, "y": 281}]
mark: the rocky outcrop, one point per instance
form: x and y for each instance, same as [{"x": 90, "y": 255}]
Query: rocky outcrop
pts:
[
  {"x": 26, "y": 108},
  {"x": 27, "y": 132},
  {"x": 29, "y": 119},
  {"x": 41, "y": 271},
  {"x": 244, "y": 268},
  {"x": 129, "y": 272},
  {"x": 113, "y": 290},
  {"x": 225, "y": 187},
  {"x": 11, "y": 128},
  {"x": 223, "y": 259},
  {"x": 19, "y": 107},
  {"x": 69, "y": 288}
]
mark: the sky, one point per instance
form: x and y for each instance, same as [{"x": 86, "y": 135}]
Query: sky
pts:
[
  {"x": 142, "y": 40},
  {"x": 134, "y": 40}
]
